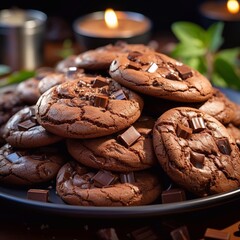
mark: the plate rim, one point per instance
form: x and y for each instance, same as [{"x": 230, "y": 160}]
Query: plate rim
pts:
[{"x": 151, "y": 210}]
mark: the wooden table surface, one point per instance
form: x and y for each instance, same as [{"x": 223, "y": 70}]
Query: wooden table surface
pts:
[{"x": 23, "y": 223}]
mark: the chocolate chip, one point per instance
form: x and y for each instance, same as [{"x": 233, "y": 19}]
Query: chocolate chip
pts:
[
  {"x": 127, "y": 177},
  {"x": 32, "y": 111},
  {"x": 197, "y": 124},
  {"x": 132, "y": 56},
  {"x": 119, "y": 95},
  {"x": 13, "y": 157},
  {"x": 99, "y": 82},
  {"x": 107, "y": 234},
  {"x": 26, "y": 125},
  {"x": 184, "y": 71},
  {"x": 211, "y": 233},
  {"x": 173, "y": 195},
  {"x": 144, "y": 233},
  {"x": 71, "y": 72},
  {"x": 173, "y": 76},
  {"x": 238, "y": 143},
  {"x": 180, "y": 233},
  {"x": 197, "y": 159},
  {"x": 103, "y": 178},
  {"x": 101, "y": 101},
  {"x": 34, "y": 119},
  {"x": 183, "y": 131},
  {"x": 41, "y": 195},
  {"x": 224, "y": 146},
  {"x": 129, "y": 137},
  {"x": 134, "y": 65},
  {"x": 155, "y": 83},
  {"x": 152, "y": 67}
]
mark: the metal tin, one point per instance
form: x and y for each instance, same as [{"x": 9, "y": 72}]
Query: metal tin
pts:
[{"x": 21, "y": 38}]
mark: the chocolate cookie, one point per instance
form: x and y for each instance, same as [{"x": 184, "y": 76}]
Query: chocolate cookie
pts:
[
  {"x": 129, "y": 150},
  {"x": 56, "y": 78},
  {"x": 10, "y": 103},
  {"x": 24, "y": 167},
  {"x": 2, "y": 140},
  {"x": 236, "y": 118},
  {"x": 235, "y": 132},
  {"x": 88, "y": 107},
  {"x": 219, "y": 106},
  {"x": 158, "y": 75},
  {"x": 196, "y": 151},
  {"x": 22, "y": 130},
  {"x": 79, "y": 185},
  {"x": 101, "y": 58},
  {"x": 28, "y": 91},
  {"x": 64, "y": 65}
]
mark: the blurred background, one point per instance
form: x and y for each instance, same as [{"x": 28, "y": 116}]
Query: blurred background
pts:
[
  {"x": 61, "y": 14},
  {"x": 163, "y": 14}
]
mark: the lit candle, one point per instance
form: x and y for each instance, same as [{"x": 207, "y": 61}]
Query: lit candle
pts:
[
  {"x": 227, "y": 12},
  {"x": 100, "y": 28}
]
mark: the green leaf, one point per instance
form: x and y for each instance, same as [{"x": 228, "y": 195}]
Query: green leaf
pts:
[
  {"x": 190, "y": 33},
  {"x": 197, "y": 63},
  {"x": 214, "y": 36},
  {"x": 218, "y": 81},
  {"x": 227, "y": 72},
  {"x": 17, "y": 77},
  {"x": 187, "y": 50},
  {"x": 229, "y": 55},
  {"x": 67, "y": 49}
]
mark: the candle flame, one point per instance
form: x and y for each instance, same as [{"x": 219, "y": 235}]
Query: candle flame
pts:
[
  {"x": 233, "y": 6},
  {"x": 110, "y": 18}
]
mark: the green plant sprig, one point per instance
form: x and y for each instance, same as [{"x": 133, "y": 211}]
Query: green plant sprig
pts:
[
  {"x": 201, "y": 49},
  {"x": 16, "y": 77}
]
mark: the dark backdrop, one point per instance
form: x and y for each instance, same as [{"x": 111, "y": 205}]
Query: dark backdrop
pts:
[{"x": 163, "y": 13}]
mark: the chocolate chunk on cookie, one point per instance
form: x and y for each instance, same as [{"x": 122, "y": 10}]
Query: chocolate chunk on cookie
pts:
[
  {"x": 23, "y": 130},
  {"x": 83, "y": 109},
  {"x": 25, "y": 167},
  {"x": 112, "y": 153},
  {"x": 196, "y": 151},
  {"x": 79, "y": 185},
  {"x": 158, "y": 75}
]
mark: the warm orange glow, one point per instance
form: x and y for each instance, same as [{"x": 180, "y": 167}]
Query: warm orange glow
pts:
[
  {"x": 233, "y": 6},
  {"x": 110, "y": 18}
]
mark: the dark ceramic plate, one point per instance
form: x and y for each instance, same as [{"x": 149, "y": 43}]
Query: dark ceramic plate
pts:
[{"x": 56, "y": 206}]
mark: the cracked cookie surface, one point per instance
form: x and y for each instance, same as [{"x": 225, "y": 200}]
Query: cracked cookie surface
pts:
[
  {"x": 26, "y": 167},
  {"x": 196, "y": 151},
  {"x": 88, "y": 107},
  {"x": 110, "y": 153},
  {"x": 75, "y": 185},
  {"x": 218, "y": 106},
  {"x": 23, "y": 130},
  {"x": 158, "y": 75},
  {"x": 101, "y": 58}
]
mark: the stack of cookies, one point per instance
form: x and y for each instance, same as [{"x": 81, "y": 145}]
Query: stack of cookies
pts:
[{"x": 106, "y": 126}]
